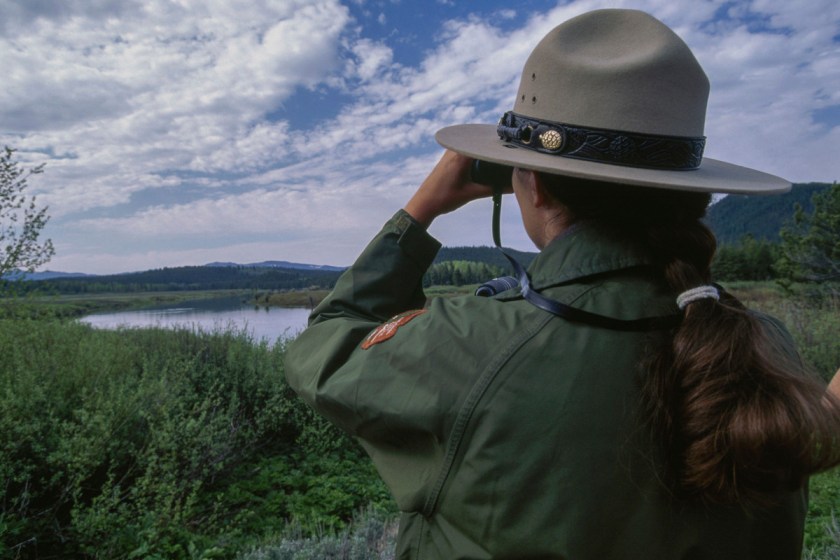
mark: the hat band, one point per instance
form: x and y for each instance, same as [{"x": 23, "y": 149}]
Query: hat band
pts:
[{"x": 601, "y": 145}]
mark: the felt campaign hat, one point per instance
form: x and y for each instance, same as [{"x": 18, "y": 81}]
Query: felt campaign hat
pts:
[{"x": 611, "y": 95}]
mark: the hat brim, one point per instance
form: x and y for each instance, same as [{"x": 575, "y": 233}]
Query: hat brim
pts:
[{"x": 480, "y": 141}]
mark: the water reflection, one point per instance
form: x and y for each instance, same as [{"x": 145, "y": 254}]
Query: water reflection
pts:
[{"x": 210, "y": 315}]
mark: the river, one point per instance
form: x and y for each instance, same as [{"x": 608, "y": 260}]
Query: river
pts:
[{"x": 268, "y": 323}]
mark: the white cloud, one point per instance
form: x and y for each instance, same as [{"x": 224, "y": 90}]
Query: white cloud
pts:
[
  {"x": 765, "y": 85},
  {"x": 124, "y": 99},
  {"x": 174, "y": 86},
  {"x": 371, "y": 59}
]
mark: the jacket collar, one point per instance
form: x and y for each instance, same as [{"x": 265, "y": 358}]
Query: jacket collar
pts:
[{"x": 585, "y": 249}]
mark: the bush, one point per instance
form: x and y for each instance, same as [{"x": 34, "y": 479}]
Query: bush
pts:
[
  {"x": 158, "y": 444},
  {"x": 822, "y": 532},
  {"x": 371, "y": 536},
  {"x": 750, "y": 259},
  {"x": 810, "y": 251}
]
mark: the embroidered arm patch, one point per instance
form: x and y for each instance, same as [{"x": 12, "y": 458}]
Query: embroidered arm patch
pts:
[{"x": 388, "y": 329}]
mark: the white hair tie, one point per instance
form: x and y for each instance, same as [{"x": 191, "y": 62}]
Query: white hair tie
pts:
[{"x": 700, "y": 292}]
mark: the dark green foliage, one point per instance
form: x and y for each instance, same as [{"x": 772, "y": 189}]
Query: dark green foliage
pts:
[
  {"x": 159, "y": 444},
  {"x": 754, "y": 245},
  {"x": 750, "y": 259},
  {"x": 21, "y": 220},
  {"x": 460, "y": 273},
  {"x": 488, "y": 255},
  {"x": 811, "y": 243},
  {"x": 192, "y": 278},
  {"x": 460, "y": 266},
  {"x": 822, "y": 538},
  {"x": 454, "y": 266},
  {"x": 761, "y": 217}
]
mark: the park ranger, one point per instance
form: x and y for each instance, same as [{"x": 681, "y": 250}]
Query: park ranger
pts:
[{"x": 615, "y": 404}]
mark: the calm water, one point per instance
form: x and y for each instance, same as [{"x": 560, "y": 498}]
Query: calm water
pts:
[{"x": 210, "y": 315}]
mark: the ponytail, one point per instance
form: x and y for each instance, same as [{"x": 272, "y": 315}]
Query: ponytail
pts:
[
  {"x": 734, "y": 417},
  {"x": 738, "y": 418}
]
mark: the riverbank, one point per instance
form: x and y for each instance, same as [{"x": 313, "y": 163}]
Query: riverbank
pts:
[
  {"x": 78, "y": 305},
  {"x": 290, "y": 298},
  {"x": 72, "y": 306}
]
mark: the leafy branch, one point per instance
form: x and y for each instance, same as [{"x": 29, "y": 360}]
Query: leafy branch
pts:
[{"x": 21, "y": 219}]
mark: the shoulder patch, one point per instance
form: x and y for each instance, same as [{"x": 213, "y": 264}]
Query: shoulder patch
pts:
[{"x": 388, "y": 329}]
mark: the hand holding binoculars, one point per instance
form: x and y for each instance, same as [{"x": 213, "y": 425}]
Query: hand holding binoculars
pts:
[{"x": 494, "y": 175}]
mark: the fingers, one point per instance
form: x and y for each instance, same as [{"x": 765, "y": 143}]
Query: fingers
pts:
[
  {"x": 834, "y": 385},
  {"x": 447, "y": 188}
]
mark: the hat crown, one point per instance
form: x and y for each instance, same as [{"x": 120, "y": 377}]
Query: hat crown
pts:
[
  {"x": 613, "y": 96},
  {"x": 617, "y": 70}
]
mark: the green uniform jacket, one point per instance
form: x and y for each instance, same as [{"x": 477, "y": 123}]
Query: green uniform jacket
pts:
[{"x": 503, "y": 431}]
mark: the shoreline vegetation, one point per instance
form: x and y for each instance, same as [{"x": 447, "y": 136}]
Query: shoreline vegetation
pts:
[
  {"x": 77, "y": 305},
  {"x": 172, "y": 444},
  {"x": 72, "y": 306}
]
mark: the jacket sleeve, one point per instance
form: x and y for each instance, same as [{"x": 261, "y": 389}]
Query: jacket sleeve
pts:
[
  {"x": 364, "y": 392},
  {"x": 385, "y": 280}
]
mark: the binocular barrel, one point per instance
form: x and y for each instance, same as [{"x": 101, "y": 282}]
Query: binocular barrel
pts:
[
  {"x": 491, "y": 174},
  {"x": 497, "y": 286}
]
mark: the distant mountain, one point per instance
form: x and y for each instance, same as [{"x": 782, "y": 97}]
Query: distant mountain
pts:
[
  {"x": 735, "y": 216},
  {"x": 196, "y": 278},
  {"x": 731, "y": 219},
  {"x": 279, "y": 264}
]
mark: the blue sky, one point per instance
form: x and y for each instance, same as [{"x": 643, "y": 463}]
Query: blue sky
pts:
[{"x": 185, "y": 132}]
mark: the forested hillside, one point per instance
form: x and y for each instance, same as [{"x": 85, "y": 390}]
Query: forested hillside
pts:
[
  {"x": 194, "y": 278},
  {"x": 459, "y": 266},
  {"x": 761, "y": 217},
  {"x": 488, "y": 255},
  {"x": 453, "y": 266},
  {"x": 747, "y": 228}
]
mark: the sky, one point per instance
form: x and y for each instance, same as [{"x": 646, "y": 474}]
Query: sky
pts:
[{"x": 182, "y": 132}]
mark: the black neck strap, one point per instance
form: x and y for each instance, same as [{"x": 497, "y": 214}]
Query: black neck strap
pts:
[{"x": 566, "y": 311}]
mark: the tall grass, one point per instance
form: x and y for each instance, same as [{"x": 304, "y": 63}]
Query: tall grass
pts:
[{"x": 814, "y": 322}]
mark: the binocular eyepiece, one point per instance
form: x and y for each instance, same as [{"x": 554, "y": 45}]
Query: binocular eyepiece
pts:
[{"x": 491, "y": 174}]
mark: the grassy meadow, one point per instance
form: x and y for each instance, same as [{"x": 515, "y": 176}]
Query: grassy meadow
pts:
[{"x": 160, "y": 444}]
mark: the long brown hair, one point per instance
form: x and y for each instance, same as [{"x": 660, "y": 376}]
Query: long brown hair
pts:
[{"x": 733, "y": 416}]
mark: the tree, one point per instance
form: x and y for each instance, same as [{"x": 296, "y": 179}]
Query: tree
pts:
[
  {"x": 21, "y": 220},
  {"x": 811, "y": 243},
  {"x": 751, "y": 259}
]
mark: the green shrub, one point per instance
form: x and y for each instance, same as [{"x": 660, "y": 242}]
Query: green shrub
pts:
[
  {"x": 159, "y": 444},
  {"x": 371, "y": 536},
  {"x": 822, "y": 532}
]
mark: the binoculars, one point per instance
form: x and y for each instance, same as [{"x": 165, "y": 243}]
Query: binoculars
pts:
[
  {"x": 491, "y": 174},
  {"x": 497, "y": 286}
]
